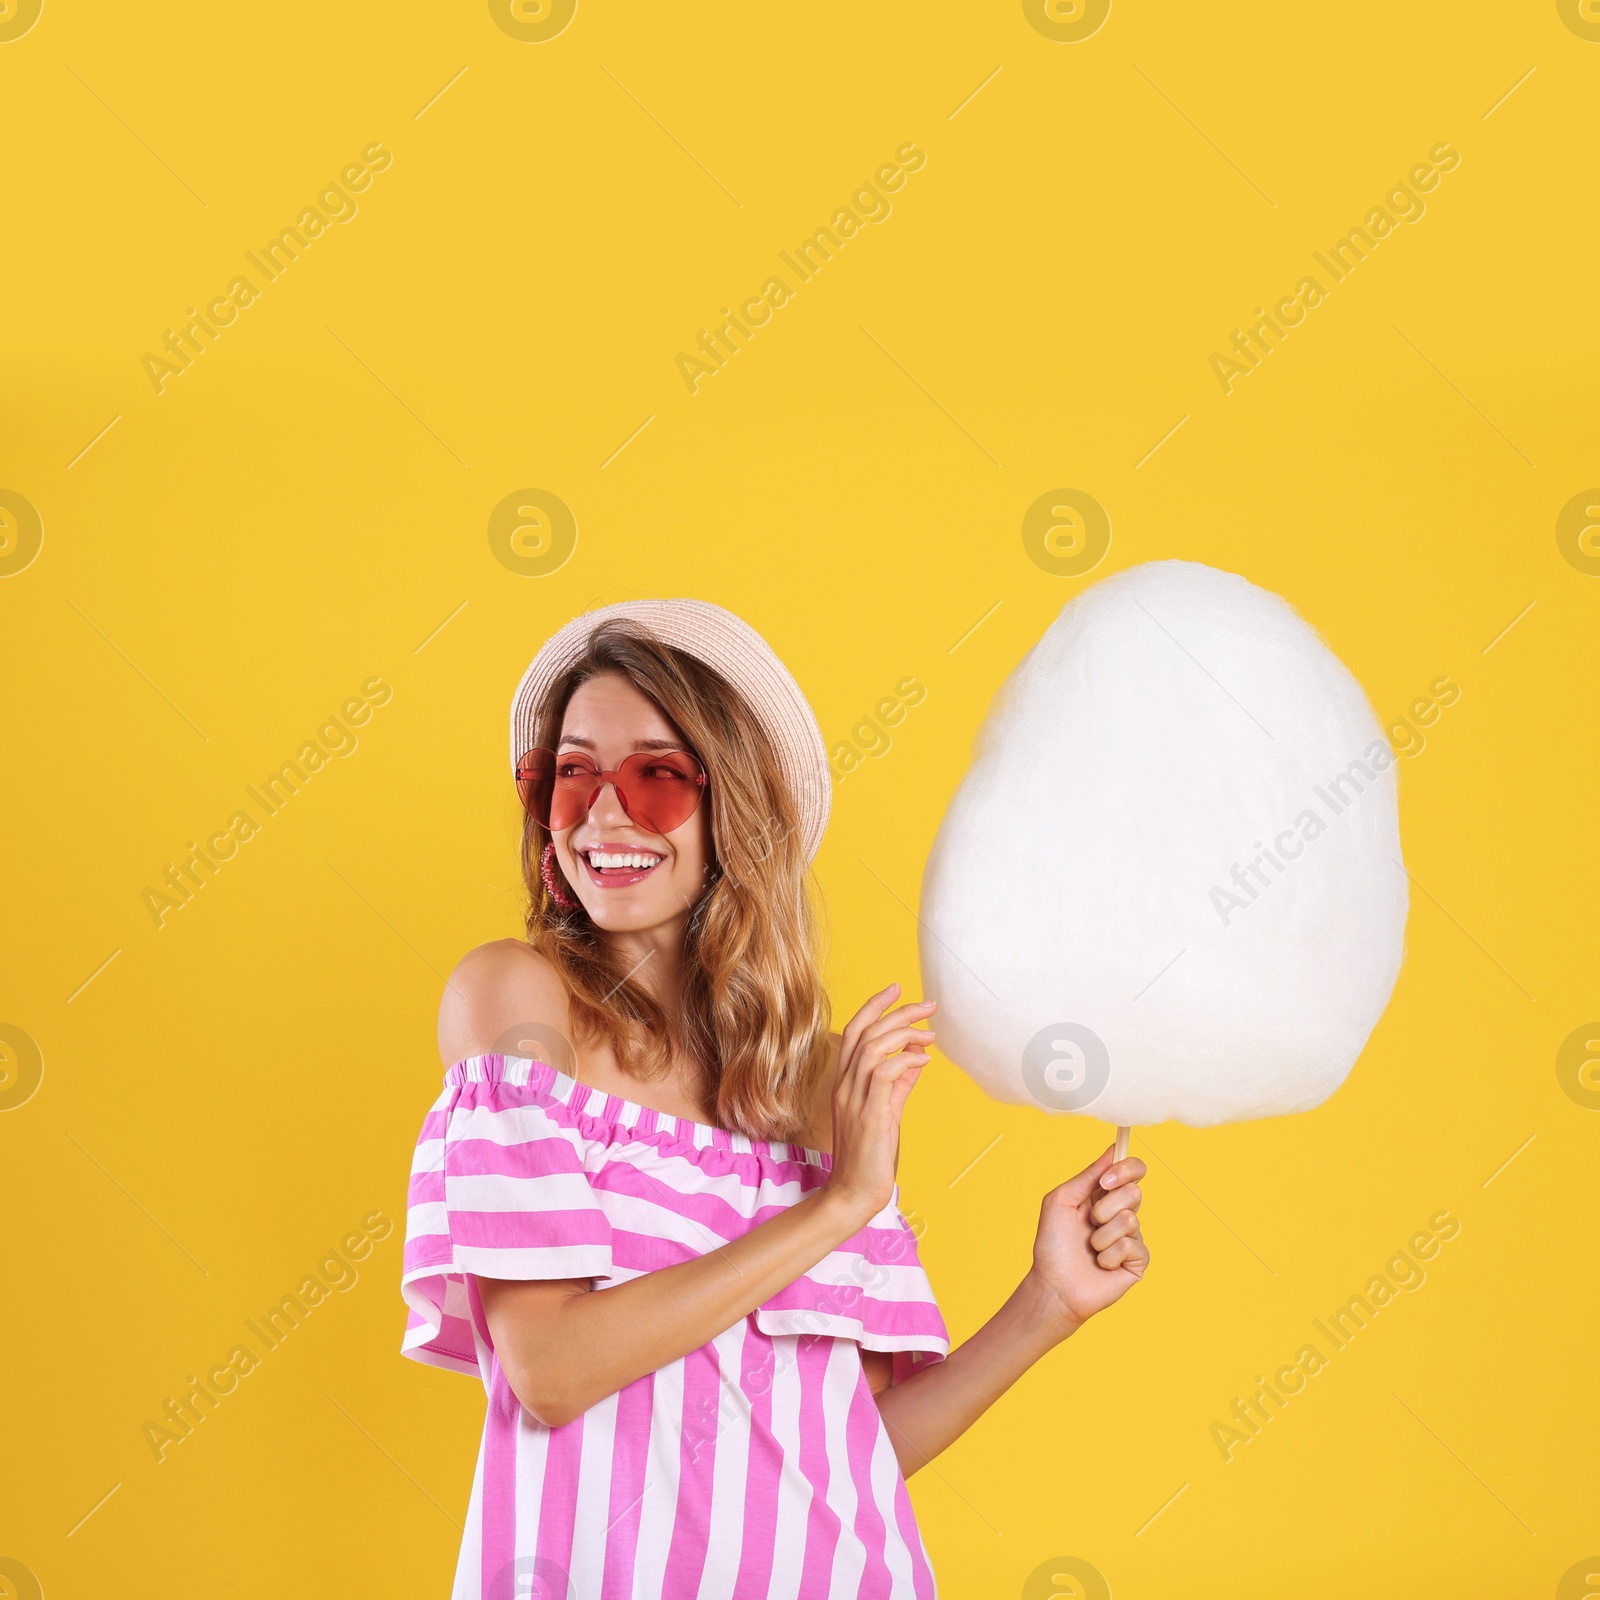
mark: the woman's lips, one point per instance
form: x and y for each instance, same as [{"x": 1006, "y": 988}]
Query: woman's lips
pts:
[{"x": 617, "y": 877}]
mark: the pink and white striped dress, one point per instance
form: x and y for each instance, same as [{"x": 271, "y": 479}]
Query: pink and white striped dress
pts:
[{"x": 754, "y": 1468}]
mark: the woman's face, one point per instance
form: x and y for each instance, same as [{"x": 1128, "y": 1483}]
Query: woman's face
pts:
[{"x": 608, "y": 719}]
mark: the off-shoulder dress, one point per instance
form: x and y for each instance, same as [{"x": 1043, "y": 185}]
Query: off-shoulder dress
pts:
[{"x": 754, "y": 1468}]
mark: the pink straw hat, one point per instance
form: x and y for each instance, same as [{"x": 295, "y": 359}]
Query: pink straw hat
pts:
[{"x": 730, "y": 647}]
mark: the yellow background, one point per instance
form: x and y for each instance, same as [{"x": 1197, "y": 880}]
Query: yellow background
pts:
[{"x": 308, "y": 503}]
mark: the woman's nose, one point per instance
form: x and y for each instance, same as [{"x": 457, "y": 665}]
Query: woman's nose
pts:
[{"x": 606, "y": 807}]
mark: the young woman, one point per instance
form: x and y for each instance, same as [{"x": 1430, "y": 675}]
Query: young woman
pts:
[{"x": 655, "y": 1207}]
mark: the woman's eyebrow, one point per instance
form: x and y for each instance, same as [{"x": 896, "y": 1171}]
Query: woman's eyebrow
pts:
[{"x": 638, "y": 744}]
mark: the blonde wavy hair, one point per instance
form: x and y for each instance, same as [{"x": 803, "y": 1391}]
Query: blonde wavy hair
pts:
[{"x": 754, "y": 1012}]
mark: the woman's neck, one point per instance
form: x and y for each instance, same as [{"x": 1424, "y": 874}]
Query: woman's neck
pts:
[{"x": 653, "y": 958}]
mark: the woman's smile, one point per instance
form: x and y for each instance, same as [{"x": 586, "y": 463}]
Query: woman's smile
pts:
[{"x": 616, "y": 866}]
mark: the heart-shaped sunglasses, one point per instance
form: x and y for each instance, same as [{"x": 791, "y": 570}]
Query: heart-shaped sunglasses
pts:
[{"x": 657, "y": 789}]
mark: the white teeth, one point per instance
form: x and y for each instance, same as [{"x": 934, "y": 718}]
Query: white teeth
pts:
[{"x": 600, "y": 858}]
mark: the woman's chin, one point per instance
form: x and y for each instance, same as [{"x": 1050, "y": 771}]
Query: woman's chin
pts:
[{"x": 618, "y": 911}]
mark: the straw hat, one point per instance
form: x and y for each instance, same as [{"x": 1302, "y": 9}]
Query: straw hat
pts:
[{"x": 730, "y": 647}]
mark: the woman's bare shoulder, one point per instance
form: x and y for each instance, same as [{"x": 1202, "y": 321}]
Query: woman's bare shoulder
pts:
[{"x": 503, "y": 996}]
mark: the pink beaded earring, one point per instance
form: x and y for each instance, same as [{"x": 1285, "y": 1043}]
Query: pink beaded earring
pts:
[{"x": 547, "y": 871}]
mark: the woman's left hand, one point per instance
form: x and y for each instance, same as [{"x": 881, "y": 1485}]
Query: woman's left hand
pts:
[{"x": 1089, "y": 1251}]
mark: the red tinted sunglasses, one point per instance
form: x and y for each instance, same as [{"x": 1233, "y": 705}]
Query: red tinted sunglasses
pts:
[{"x": 657, "y": 789}]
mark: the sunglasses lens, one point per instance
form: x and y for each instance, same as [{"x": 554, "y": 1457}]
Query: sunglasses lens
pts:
[
  {"x": 573, "y": 782},
  {"x": 555, "y": 792},
  {"x": 661, "y": 789},
  {"x": 658, "y": 791},
  {"x": 534, "y": 772}
]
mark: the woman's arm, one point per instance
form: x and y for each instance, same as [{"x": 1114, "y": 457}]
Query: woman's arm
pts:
[
  {"x": 932, "y": 1409},
  {"x": 1088, "y": 1253},
  {"x": 564, "y": 1347}
]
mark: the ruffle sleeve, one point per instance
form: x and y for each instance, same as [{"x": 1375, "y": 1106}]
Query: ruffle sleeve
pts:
[
  {"x": 498, "y": 1190},
  {"x": 873, "y": 1289}
]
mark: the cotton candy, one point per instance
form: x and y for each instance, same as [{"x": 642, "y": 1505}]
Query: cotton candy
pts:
[{"x": 1170, "y": 885}]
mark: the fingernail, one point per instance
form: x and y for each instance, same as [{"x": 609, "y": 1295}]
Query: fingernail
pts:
[{"x": 1108, "y": 1180}]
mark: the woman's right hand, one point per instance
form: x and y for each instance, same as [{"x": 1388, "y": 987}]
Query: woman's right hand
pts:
[{"x": 881, "y": 1056}]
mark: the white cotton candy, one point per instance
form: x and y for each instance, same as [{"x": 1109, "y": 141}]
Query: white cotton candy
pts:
[{"x": 1170, "y": 885}]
